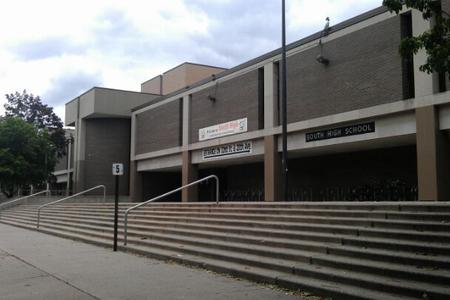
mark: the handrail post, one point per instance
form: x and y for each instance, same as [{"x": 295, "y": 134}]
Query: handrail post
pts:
[
  {"x": 125, "y": 227},
  {"x": 217, "y": 190}
]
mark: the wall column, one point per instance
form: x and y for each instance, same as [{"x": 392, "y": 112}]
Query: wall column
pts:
[
  {"x": 189, "y": 173},
  {"x": 424, "y": 83},
  {"x": 433, "y": 156},
  {"x": 136, "y": 183},
  {"x": 271, "y": 156},
  {"x": 79, "y": 155}
]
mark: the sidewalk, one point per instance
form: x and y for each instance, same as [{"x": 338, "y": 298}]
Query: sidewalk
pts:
[{"x": 39, "y": 266}]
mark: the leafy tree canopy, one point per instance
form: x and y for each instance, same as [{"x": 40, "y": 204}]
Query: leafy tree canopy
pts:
[
  {"x": 31, "y": 109},
  {"x": 435, "y": 41},
  {"x": 27, "y": 155}
]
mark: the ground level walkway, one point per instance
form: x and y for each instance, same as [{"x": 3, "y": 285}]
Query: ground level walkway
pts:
[{"x": 37, "y": 266}]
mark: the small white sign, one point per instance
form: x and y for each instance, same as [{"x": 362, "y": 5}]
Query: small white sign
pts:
[
  {"x": 228, "y": 150},
  {"x": 228, "y": 128},
  {"x": 117, "y": 169}
]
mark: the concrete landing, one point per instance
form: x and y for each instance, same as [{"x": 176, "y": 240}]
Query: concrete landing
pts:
[{"x": 39, "y": 266}]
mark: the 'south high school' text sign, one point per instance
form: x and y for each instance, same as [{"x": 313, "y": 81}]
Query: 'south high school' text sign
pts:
[{"x": 332, "y": 133}]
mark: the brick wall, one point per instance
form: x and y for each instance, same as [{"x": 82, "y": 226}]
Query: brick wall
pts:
[
  {"x": 159, "y": 128},
  {"x": 236, "y": 98},
  {"x": 365, "y": 69},
  {"x": 107, "y": 141}
]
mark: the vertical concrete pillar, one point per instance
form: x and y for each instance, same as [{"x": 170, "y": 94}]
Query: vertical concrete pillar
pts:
[
  {"x": 79, "y": 155},
  {"x": 433, "y": 156},
  {"x": 271, "y": 169},
  {"x": 424, "y": 83},
  {"x": 136, "y": 183},
  {"x": 271, "y": 157},
  {"x": 189, "y": 173}
]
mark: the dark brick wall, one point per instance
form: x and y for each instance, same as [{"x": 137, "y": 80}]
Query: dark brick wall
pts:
[
  {"x": 107, "y": 141},
  {"x": 365, "y": 69},
  {"x": 159, "y": 128},
  {"x": 236, "y": 98}
]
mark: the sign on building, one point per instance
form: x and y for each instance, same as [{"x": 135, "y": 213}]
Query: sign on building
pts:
[
  {"x": 227, "y": 150},
  {"x": 332, "y": 133},
  {"x": 228, "y": 128}
]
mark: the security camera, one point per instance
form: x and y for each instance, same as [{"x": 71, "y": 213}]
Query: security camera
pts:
[{"x": 322, "y": 60}]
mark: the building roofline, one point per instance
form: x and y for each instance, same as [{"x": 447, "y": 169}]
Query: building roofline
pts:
[
  {"x": 342, "y": 25},
  {"x": 111, "y": 89}
]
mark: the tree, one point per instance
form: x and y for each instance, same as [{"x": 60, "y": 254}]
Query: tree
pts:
[
  {"x": 27, "y": 155},
  {"x": 435, "y": 41},
  {"x": 31, "y": 109}
]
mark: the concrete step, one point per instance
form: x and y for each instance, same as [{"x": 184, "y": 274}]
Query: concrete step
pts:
[
  {"x": 430, "y": 235},
  {"x": 421, "y": 206},
  {"x": 438, "y": 225},
  {"x": 333, "y": 245},
  {"x": 354, "y": 239},
  {"x": 321, "y": 287},
  {"x": 297, "y": 266},
  {"x": 388, "y": 215},
  {"x": 380, "y": 246}
]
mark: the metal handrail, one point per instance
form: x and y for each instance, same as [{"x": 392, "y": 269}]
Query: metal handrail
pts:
[
  {"x": 67, "y": 198},
  {"x": 125, "y": 232},
  {"x": 23, "y": 198}
]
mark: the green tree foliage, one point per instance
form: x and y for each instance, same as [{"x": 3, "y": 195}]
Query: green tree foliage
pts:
[
  {"x": 31, "y": 109},
  {"x": 435, "y": 41},
  {"x": 27, "y": 155}
]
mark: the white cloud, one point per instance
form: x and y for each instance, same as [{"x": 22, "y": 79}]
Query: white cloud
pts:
[{"x": 58, "y": 49}]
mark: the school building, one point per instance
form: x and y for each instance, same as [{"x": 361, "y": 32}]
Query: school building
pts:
[{"x": 364, "y": 124}]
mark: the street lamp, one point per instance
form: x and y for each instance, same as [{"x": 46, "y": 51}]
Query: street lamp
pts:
[{"x": 284, "y": 155}]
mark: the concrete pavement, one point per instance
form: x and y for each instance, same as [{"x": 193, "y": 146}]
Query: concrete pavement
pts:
[{"x": 34, "y": 265}]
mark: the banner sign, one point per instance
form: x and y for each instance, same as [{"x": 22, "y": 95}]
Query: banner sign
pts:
[
  {"x": 227, "y": 150},
  {"x": 332, "y": 133},
  {"x": 228, "y": 128}
]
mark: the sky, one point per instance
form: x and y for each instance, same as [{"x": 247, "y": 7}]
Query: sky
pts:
[{"x": 58, "y": 49}]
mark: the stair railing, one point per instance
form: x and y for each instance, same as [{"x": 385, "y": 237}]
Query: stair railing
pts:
[
  {"x": 67, "y": 198},
  {"x": 125, "y": 232},
  {"x": 3, "y": 205}
]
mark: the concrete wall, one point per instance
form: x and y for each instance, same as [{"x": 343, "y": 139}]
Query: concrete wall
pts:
[
  {"x": 236, "y": 98},
  {"x": 107, "y": 142},
  {"x": 364, "y": 70}
]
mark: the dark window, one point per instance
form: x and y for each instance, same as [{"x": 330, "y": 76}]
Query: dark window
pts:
[
  {"x": 277, "y": 87},
  {"x": 180, "y": 120},
  {"x": 260, "y": 98},
  {"x": 407, "y": 62}
]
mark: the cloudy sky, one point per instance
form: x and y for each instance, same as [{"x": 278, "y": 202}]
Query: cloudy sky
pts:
[{"x": 58, "y": 49}]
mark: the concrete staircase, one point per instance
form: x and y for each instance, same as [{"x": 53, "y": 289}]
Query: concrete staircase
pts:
[{"x": 340, "y": 250}]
